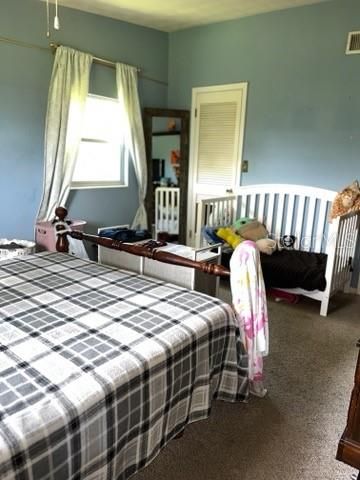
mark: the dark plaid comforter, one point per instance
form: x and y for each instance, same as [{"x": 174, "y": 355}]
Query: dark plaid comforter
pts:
[{"x": 100, "y": 368}]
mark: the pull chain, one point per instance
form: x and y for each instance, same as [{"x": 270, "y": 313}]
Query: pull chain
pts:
[
  {"x": 56, "y": 18},
  {"x": 47, "y": 19}
]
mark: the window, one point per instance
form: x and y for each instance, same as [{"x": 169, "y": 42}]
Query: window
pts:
[{"x": 102, "y": 160}]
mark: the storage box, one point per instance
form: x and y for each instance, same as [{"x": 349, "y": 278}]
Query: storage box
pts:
[
  {"x": 45, "y": 234},
  {"x": 25, "y": 248}
]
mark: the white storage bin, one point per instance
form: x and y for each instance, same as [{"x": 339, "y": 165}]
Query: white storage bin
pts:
[{"x": 26, "y": 248}]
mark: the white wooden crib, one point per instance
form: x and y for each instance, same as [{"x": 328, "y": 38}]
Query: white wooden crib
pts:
[
  {"x": 292, "y": 210},
  {"x": 167, "y": 210}
]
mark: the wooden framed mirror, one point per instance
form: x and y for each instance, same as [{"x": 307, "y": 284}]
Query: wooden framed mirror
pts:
[{"x": 167, "y": 152}]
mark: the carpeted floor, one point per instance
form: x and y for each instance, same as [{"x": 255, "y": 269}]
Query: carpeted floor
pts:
[{"x": 293, "y": 432}]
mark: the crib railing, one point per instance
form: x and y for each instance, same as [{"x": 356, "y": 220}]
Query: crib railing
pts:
[
  {"x": 167, "y": 210},
  {"x": 292, "y": 210},
  {"x": 303, "y": 213},
  {"x": 341, "y": 249},
  {"x": 214, "y": 212}
]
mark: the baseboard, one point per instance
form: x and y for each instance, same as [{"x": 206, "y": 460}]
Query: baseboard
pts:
[{"x": 353, "y": 290}]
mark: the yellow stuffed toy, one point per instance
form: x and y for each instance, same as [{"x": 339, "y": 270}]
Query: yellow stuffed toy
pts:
[
  {"x": 230, "y": 237},
  {"x": 265, "y": 245}
]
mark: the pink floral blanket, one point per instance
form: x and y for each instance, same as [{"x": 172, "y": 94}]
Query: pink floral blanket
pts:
[{"x": 249, "y": 302}]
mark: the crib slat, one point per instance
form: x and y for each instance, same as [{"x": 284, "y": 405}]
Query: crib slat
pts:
[
  {"x": 218, "y": 213},
  {"x": 172, "y": 211},
  {"x": 299, "y": 221},
  {"x": 309, "y": 224},
  {"x": 346, "y": 247},
  {"x": 213, "y": 213},
  {"x": 252, "y": 200},
  {"x": 320, "y": 226},
  {"x": 209, "y": 220},
  {"x": 160, "y": 212},
  {"x": 345, "y": 250},
  {"x": 230, "y": 217},
  {"x": 242, "y": 200},
  {"x": 339, "y": 254},
  {"x": 270, "y": 215},
  {"x": 221, "y": 213},
  {"x": 260, "y": 214},
  {"x": 279, "y": 216},
  {"x": 167, "y": 202},
  {"x": 289, "y": 215}
]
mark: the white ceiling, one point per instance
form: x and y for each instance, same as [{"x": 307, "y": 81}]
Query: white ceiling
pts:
[{"x": 172, "y": 15}]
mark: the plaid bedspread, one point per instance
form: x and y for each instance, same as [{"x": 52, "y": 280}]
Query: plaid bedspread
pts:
[{"x": 100, "y": 368}]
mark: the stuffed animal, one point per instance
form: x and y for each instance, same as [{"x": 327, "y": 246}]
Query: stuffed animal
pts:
[
  {"x": 251, "y": 230},
  {"x": 230, "y": 237},
  {"x": 240, "y": 222},
  {"x": 266, "y": 245},
  {"x": 348, "y": 200},
  {"x": 247, "y": 229}
]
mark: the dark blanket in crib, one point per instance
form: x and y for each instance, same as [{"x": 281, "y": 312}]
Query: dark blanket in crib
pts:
[{"x": 291, "y": 269}]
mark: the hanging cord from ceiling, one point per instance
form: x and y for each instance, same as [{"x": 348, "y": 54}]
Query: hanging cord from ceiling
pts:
[
  {"x": 56, "y": 18},
  {"x": 47, "y": 19}
]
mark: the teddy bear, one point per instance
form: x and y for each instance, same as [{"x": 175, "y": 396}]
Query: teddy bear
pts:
[{"x": 348, "y": 200}]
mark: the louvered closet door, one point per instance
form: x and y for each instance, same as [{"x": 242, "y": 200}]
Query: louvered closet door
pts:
[{"x": 216, "y": 150}]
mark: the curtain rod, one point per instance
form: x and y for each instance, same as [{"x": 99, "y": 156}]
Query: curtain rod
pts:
[
  {"x": 101, "y": 61},
  {"x": 54, "y": 46},
  {"x": 111, "y": 64}
]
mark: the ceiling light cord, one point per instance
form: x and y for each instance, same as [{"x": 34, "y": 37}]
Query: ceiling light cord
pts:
[
  {"x": 56, "y": 18},
  {"x": 47, "y": 19}
]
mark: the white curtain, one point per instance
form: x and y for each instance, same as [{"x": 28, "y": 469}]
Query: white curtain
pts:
[
  {"x": 66, "y": 103},
  {"x": 126, "y": 80}
]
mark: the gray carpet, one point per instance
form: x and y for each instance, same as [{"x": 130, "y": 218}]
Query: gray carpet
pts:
[{"x": 293, "y": 432}]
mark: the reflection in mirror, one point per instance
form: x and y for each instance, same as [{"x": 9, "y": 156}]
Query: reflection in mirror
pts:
[
  {"x": 166, "y": 137},
  {"x": 166, "y": 159}
]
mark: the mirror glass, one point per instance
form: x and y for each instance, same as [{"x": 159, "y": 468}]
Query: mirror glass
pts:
[{"x": 165, "y": 151}]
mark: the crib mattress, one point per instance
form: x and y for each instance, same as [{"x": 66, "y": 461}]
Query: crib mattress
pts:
[{"x": 291, "y": 269}]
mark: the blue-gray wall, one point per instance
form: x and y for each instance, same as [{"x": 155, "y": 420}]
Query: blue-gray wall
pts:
[
  {"x": 303, "y": 109},
  {"x": 24, "y": 82}
]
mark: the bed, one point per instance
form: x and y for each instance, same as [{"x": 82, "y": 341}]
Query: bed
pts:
[
  {"x": 322, "y": 249},
  {"x": 101, "y": 368},
  {"x": 167, "y": 209}
]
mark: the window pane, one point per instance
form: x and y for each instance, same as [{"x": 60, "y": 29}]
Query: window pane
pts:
[
  {"x": 102, "y": 119},
  {"x": 98, "y": 162}
]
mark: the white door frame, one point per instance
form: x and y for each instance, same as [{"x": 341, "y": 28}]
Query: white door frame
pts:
[{"x": 192, "y": 157}]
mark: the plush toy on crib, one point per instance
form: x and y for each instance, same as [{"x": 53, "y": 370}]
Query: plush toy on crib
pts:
[
  {"x": 348, "y": 200},
  {"x": 247, "y": 229}
]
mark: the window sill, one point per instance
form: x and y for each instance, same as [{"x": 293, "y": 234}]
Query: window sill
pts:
[{"x": 97, "y": 186}]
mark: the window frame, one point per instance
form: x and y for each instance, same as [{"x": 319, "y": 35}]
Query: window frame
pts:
[{"x": 123, "y": 162}]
